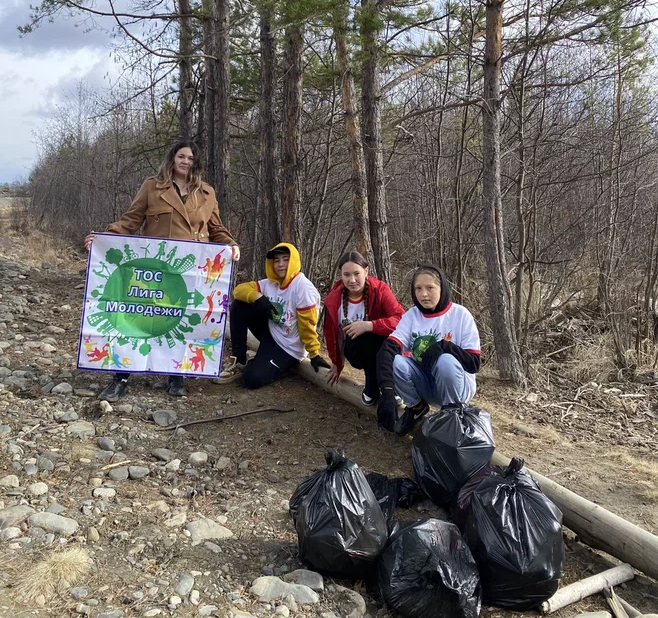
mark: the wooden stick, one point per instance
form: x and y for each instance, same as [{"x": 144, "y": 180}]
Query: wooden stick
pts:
[
  {"x": 613, "y": 602},
  {"x": 118, "y": 464},
  {"x": 630, "y": 610},
  {"x": 580, "y": 590},
  {"x": 216, "y": 419}
]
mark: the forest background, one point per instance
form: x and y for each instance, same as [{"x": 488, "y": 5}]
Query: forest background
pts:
[{"x": 511, "y": 143}]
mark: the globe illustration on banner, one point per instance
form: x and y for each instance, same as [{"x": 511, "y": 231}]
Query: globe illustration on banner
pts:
[{"x": 142, "y": 301}]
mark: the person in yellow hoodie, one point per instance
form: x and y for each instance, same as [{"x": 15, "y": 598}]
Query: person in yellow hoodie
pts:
[{"x": 282, "y": 312}]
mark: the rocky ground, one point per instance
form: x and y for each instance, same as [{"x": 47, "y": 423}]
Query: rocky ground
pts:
[{"x": 104, "y": 514}]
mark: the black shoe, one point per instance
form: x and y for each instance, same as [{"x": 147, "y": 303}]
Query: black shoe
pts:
[
  {"x": 410, "y": 416},
  {"x": 114, "y": 391},
  {"x": 367, "y": 400},
  {"x": 176, "y": 386}
]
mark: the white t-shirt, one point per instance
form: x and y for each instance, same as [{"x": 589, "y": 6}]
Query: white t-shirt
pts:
[
  {"x": 299, "y": 294},
  {"x": 355, "y": 311},
  {"x": 417, "y": 331}
]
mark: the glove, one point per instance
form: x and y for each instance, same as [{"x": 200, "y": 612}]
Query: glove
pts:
[
  {"x": 387, "y": 409},
  {"x": 431, "y": 356},
  {"x": 263, "y": 305},
  {"x": 318, "y": 361}
]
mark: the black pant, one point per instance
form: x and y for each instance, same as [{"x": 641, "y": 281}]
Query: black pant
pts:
[
  {"x": 271, "y": 361},
  {"x": 361, "y": 353}
]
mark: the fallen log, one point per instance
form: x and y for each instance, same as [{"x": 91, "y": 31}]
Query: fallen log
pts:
[
  {"x": 594, "y": 525},
  {"x": 587, "y": 587}
]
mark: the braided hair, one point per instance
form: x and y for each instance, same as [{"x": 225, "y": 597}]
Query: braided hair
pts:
[{"x": 356, "y": 258}]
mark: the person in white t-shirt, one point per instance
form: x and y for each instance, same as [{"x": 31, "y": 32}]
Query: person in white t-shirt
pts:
[
  {"x": 431, "y": 357},
  {"x": 282, "y": 313}
]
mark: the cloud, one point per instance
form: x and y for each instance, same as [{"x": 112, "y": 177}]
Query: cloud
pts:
[{"x": 65, "y": 32}]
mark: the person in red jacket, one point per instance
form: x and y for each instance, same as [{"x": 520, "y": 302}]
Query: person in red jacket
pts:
[{"x": 360, "y": 313}]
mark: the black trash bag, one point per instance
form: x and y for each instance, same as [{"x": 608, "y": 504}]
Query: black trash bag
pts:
[
  {"x": 449, "y": 448},
  {"x": 460, "y": 507},
  {"x": 340, "y": 526},
  {"x": 427, "y": 571},
  {"x": 402, "y": 492},
  {"x": 515, "y": 534}
]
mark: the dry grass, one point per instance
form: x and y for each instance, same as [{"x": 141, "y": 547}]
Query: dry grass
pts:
[
  {"x": 591, "y": 360},
  {"x": 54, "y": 574},
  {"x": 641, "y": 466}
]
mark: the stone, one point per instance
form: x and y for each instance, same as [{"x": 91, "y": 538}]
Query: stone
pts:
[
  {"x": 117, "y": 613},
  {"x": 63, "y": 388},
  {"x": 207, "y": 610},
  {"x": 240, "y": 613},
  {"x": 4, "y": 430},
  {"x": 9, "y": 534},
  {"x": 10, "y": 481},
  {"x": 119, "y": 474},
  {"x": 173, "y": 465},
  {"x": 213, "y": 547},
  {"x": 138, "y": 472},
  {"x": 195, "y": 596},
  {"x": 163, "y": 454},
  {"x": 14, "y": 515},
  {"x": 207, "y": 530},
  {"x": 269, "y": 588},
  {"x": 92, "y": 535},
  {"x": 37, "y": 489},
  {"x": 184, "y": 585},
  {"x": 81, "y": 429},
  {"x": 79, "y": 593},
  {"x": 176, "y": 520},
  {"x": 30, "y": 469},
  {"x": 524, "y": 430},
  {"x": 55, "y": 508},
  {"x": 45, "y": 464},
  {"x": 223, "y": 463},
  {"x": 282, "y": 610},
  {"x": 105, "y": 493},
  {"x": 198, "y": 458},
  {"x": 352, "y": 604},
  {"x": 64, "y": 526},
  {"x": 150, "y": 613},
  {"x": 175, "y": 600},
  {"x": 106, "y": 444},
  {"x": 306, "y": 578},
  {"x": 164, "y": 418}
]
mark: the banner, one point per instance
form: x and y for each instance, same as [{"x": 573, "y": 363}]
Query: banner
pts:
[{"x": 155, "y": 305}]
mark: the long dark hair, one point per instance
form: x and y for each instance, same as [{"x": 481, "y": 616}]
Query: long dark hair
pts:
[
  {"x": 356, "y": 258},
  {"x": 165, "y": 173}
]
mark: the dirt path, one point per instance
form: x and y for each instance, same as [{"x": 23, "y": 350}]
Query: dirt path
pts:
[{"x": 254, "y": 465}]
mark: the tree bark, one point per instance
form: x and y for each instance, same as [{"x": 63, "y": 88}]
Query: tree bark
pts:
[
  {"x": 209, "y": 91},
  {"x": 372, "y": 138},
  {"x": 359, "y": 196},
  {"x": 222, "y": 84},
  {"x": 267, "y": 225},
  {"x": 185, "y": 71},
  {"x": 509, "y": 359},
  {"x": 292, "y": 133}
]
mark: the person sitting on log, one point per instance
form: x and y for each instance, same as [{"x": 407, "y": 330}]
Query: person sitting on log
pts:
[
  {"x": 281, "y": 311},
  {"x": 360, "y": 313},
  {"x": 431, "y": 357}
]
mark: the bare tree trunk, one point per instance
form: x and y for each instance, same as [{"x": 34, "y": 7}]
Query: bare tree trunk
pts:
[
  {"x": 292, "y": 133},
  {"x": 209, "y": 91},
  {"x": 185, "y": 70},
  {"x": 509, "y": 359},
  {"x": 222, "y": 83},
  {"x": 359, "y": 198},
  {"x": 266, "y": 227},
  {"x": 372, "y": 138}
]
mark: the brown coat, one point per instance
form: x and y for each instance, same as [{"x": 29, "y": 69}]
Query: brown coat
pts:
[{"x": 160, "y": 210}]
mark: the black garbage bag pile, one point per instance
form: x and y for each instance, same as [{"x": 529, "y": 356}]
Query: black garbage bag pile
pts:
[
  {"x": 427, "y": 571},
  {"x": 341, "y": 529},
  {"x": 402, "y": 492},
  {"x": 449, "y": 448},
  {"x": 515, "y": 534}
]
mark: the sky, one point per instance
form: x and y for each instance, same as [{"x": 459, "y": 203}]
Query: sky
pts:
[{"x": 37, "y": 73}]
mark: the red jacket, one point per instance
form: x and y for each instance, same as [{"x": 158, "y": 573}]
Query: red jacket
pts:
[{"x": 384, "y": 311}]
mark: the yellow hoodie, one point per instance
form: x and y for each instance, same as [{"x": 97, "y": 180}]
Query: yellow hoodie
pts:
[{"x": 298, "y": 290}]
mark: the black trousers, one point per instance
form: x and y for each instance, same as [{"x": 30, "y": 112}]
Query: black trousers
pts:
[
  {"x": 361, "y": 353},
  {"x": 271, "y": 361}
]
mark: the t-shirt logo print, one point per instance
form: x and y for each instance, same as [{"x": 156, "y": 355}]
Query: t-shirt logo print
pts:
[
  {"x": 280, "y": 316},
  {"x": 421, "y": 343}
]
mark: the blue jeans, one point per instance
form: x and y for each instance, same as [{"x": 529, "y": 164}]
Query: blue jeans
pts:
[{"x": 447, "y": 383}]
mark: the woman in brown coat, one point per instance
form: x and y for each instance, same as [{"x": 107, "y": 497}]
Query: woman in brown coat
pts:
[{"x": 176, "y": 204}]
